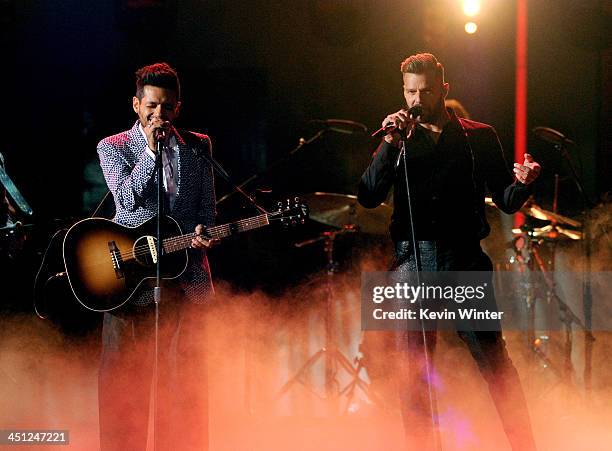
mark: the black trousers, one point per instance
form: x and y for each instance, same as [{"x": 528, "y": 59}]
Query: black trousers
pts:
[
  {"x": 486, "y": 347},
  {"x": 126, "y": 371}
]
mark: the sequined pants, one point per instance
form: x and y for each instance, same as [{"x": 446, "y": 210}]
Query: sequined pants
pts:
[{"x": 486, "y": 347}]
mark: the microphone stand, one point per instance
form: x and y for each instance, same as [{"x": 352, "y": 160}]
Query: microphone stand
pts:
[
  {"x": 587, "y": 297},
  {"x": 160, "y": 143},
  {"x": 437, "y": 441},
  {"x": 225, "y": 176},
  {"x": 301, "y": 143}
]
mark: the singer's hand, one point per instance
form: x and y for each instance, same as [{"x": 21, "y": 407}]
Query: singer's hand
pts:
[
  {"x": 528, "y": 171},
  {"x": 155, "y": 122},
  {"x": 401, "y": 120}
]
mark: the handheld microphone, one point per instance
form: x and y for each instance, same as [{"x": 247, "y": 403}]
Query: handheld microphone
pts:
[
  {"x": 414, "y": 112},
  {"x": 162, "y": 133}
]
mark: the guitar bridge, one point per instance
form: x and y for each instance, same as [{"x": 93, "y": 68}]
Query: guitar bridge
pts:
[
  {"x": 116, "y": 259},
  {"x": 152, "y": 248}
]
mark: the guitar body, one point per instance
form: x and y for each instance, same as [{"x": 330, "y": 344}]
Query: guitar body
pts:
[{"x": 106, "y": 262}]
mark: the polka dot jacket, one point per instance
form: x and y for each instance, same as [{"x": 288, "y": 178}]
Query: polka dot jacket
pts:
[{"x": 130, "y": 175}]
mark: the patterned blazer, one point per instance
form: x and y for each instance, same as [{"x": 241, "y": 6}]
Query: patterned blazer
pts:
[{"x": 131, "y": 177}]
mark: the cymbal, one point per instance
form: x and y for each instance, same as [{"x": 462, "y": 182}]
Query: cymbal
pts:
[
  {"x": 535, "y": 211},
  {"x": 339, "y": 210},
  {"x": 551, "y": 232}
]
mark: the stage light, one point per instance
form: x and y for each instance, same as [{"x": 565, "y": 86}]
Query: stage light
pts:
[
  {"x": 471, "y": 7},
  {"x": 471, "y": 27}
]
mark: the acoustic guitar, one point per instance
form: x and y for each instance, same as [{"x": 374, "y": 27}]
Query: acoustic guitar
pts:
[{"x": 106, "y": 262}]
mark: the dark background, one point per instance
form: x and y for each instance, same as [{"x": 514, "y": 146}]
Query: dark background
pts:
[{"x": 255, "y": 72}]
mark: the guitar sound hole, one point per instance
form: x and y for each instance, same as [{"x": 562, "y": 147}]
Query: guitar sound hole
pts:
[{"x": 142, "y": 250}]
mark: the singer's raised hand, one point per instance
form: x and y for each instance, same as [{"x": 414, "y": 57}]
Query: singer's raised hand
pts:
[
  {"x": 399, "y": 120},
  {"x": 528, "y": 171}
]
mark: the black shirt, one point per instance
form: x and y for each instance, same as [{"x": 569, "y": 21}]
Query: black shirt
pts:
[{"x": 448, "y": 182}]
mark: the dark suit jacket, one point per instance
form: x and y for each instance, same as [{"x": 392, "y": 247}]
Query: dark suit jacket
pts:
[{"x": 448, "y": 182}]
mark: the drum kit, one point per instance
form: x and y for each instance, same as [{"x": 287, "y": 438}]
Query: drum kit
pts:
[{"x": 537, "y": 275}]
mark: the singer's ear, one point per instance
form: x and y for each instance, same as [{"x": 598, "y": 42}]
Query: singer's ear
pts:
[
  {"x": 135, "y": 104},
  {"x": 445, "y": 89},
  {"x": 177, "y": 109}
]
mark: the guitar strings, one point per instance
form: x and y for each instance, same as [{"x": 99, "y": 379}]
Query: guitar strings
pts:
[
  {"x": 176, "y": 243},
  {"x": 214, "y": 232}
]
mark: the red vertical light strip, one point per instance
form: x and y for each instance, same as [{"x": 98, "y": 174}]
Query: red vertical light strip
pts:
[{"x": 520, "y": 115}]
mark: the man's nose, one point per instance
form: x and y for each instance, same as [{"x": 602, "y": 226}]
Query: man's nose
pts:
[{"x": 159, "y": 112}]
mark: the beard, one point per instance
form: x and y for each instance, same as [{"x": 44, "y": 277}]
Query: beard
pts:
[{"x": 433, "y": 114}]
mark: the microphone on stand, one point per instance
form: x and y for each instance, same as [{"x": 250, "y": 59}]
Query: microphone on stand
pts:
[
  {"x": 551, "y": 135},
  {"x": 414, "y": 112}
]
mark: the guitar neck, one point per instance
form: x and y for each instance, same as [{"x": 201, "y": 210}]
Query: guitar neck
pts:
[{"x": 181, "y": 242}]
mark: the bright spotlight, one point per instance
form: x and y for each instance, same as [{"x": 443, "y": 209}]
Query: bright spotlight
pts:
[
  {"x": 471, "y": 27},
  {"x": 471, "y": 7}
]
